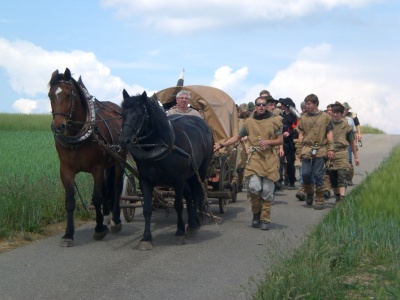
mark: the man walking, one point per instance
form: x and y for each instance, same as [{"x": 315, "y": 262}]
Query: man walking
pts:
[
  {"x": 316, "y": 138},
  {"x": 263, "y": 131}
]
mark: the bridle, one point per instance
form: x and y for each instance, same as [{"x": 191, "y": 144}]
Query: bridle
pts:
[
  {"x": 87, "y": 132},
  {"x": 135, "y": 136},
  {"x": 72, "y": 97}
]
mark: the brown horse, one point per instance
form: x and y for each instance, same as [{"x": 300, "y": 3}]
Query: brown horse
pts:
[{"x": 82, "y": 125}]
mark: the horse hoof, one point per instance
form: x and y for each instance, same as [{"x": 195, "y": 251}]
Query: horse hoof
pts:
[
  {"x": 116, "y": 228},
  {"x": 180, "y": 239},
  {"x": 66, "y": 242},
  {"x": 98, "y": 236},
  {"x": 145, "y": 245},
  {"x": 192, "y": 232}
]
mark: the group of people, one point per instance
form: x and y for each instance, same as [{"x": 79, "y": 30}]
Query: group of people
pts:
[{"x": 274, "y": 136}]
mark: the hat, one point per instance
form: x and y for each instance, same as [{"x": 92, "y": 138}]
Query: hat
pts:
[
  {"x": 271, "y": 99},
  {"x": 303, "y": 105},
  {"x": 287, "y": 102},
  {"x": 346, "y": 105},
  {"x": 243, "y": 107},
  {"x": 338, "y": 103},
  {"x": 250, "y": 106}
]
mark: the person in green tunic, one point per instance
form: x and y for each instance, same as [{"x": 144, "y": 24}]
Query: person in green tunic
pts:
[
  {"x": 343, "y": 137},
  {"x": 264, "y": 132}
]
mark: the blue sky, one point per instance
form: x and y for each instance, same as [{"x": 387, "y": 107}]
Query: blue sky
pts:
[{"x": 339, "y": 51}]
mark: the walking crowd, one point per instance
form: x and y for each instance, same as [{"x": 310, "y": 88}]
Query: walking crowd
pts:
[{"x": 279, "y": 145}]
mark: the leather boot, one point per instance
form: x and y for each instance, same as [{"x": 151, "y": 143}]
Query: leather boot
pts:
[
  {"x": 256, "y": 209},
  {"x": 301, "y": 194},
  {"x": 255, "y": 223},
  {"x": 264, "y": 225},
  {"x": 319, "y": 198},
  {"x": 309, "y": 190},
  {"x": 265, "y": 215}
]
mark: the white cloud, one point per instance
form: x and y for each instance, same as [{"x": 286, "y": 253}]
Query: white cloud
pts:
[
  {"x": 27, "y": 106},
  {"x": 374, "y": 102},
  {"x": 179, "y": 16},
  {"x": 29, "y": 68},
  {"x": 316, "y": 69},
  {"x": 229, "y": 81}
]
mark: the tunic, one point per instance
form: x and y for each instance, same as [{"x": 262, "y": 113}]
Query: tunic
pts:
[
  {"x": 314, "y": 128},
  {"x": 262, "y": 162},
  {"x": 343, "y": 135}
]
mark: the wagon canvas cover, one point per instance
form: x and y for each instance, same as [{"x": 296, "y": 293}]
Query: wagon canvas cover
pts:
[{"x": 218, "y": 108}]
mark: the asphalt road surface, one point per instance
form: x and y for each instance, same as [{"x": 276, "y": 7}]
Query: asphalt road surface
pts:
[{"x": 217, "y": 264}]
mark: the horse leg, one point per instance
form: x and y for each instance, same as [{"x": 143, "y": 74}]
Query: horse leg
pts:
[
  {"x": 192, "y": 199},
  {"x": 106, "y": 202},
  {"x": 116, "y": 224},
  {"x": 178, "y": 204},
  {"x": 100, "y": 230},
  {"x": 67, "y": 178},
  {"x": 146, "y": 242}
]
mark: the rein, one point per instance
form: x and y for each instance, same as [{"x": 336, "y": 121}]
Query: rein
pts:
[{"x": 161, "y": 150}]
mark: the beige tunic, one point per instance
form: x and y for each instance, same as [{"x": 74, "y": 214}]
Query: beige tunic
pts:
[
  {"x": 263, "y": 162},
  {"x": 314, "y": 132},
  {"x": 341, "y": 144}
]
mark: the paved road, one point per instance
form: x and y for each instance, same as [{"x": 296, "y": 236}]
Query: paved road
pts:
[{"x": 215, "y": 265}]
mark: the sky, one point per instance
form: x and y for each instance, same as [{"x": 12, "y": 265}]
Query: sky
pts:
[{"x": 340, "y": 50}]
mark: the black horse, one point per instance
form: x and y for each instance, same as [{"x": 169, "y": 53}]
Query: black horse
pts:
[{"x": 172, "y": 151}]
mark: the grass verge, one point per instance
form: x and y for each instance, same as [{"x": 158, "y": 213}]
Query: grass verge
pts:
[
  {"x": 353, "y": 254},
  {"x": 31, "y": 194}
]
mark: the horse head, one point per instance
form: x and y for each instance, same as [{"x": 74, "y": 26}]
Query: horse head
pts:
[
  {"x": 65, "y": 106},
  {"x": 146, "y": 131},
  {"x": 134, "y": 119}
]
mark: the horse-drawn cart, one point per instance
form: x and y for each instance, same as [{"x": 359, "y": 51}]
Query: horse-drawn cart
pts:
[{"x": 220, "y": 113}]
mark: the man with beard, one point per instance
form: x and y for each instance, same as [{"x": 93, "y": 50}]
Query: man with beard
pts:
[{"x": 264, "y": 132}]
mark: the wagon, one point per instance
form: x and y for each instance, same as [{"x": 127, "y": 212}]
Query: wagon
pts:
[{"x": 220, "y": 113}]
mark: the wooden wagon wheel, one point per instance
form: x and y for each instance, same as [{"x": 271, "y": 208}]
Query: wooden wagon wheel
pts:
[
  {"x": 224, "y": 185},
  {"x": 128, "y": 190}
]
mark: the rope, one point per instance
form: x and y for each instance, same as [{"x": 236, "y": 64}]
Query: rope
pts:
[{"x": 83, "y": 203}]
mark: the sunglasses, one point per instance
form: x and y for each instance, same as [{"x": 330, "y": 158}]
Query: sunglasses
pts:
[{"x": 261, "y": 104}]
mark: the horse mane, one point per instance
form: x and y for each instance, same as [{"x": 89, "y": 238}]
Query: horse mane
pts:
[{"x": 159, "y": 119}]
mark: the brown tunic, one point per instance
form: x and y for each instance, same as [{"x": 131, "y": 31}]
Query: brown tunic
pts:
[
  {"x": 263, "y": 162},
  {"x": 314, "y": 128},
  {"x": 341, "y": 131}
]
